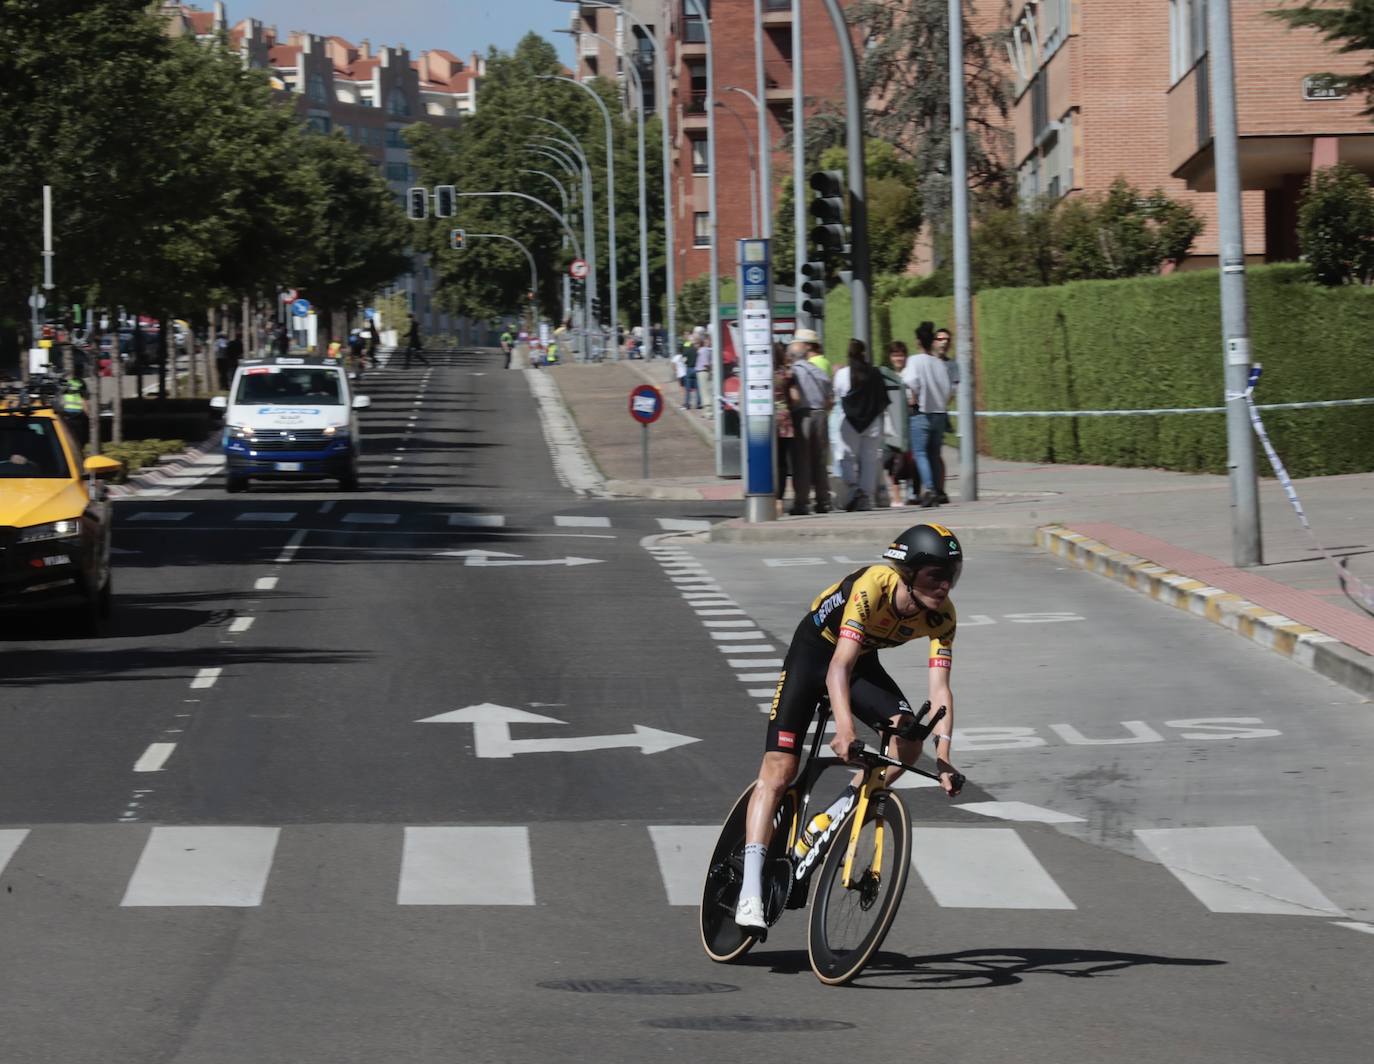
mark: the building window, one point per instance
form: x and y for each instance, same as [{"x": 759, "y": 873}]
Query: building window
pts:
[
  {"x": 700, "y": 163},
  {"x": 397, "y": 103},
  {"x": 696, "y": 78},
  {"x": 692, "y": 30},
  {"x": 318, "y": 123},
  {"x": 777, "y": 5},
  {"x": 393, "y": 137},
  {"x": 1187, "y": 35},
  {"x": 701, "y": 229},
  {"x": 397, "y": 172},
  {"x": 1054, "y": 25},
  {"x": 315, "y": 88}
]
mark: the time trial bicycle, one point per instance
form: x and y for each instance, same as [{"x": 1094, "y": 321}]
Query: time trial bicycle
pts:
[{"x": 859, "y": 883}]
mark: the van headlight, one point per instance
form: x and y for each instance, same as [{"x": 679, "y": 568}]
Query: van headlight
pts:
[
  {"x": 239, "y": 432},
  {"x": 51, "y": 530},
  {"x": 334, "y": 432}
]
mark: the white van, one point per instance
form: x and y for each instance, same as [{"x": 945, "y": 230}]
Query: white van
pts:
[{"x": 291, "y": 419}]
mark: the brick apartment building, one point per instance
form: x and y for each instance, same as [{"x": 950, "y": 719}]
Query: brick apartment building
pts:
[
  {"x": 732, "y": 29},
  {"x": 369, "y": 95},
  {"x": 1108, "y": 88}
]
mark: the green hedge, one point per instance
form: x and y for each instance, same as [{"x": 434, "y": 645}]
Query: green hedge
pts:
[{"x": 1156, "y": 342}]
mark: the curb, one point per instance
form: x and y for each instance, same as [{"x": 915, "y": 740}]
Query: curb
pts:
[
  {"x": 150, "y": 478},
  {"x": 824, "y": 531},
  {"x": 1323, "y": 654}
]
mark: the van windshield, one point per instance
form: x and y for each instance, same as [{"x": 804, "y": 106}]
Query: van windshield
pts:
[{"x": 289, "y": 386}]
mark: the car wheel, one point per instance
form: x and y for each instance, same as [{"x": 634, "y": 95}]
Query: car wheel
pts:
[{"x": 233, "y": 484}]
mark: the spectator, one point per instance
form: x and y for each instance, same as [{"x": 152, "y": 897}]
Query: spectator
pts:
[
  {"x": 660, "y": 341},
  {"x": 940, "y": 350},
  {"x": 373, "y": 340},
  {"x": 811, "y": 434},
  {"x": 281, "y": 339},
  {"x": 863, "y": 397},
  {"x": 414, "y": 345},
  {"x": 897, "y": 425},
  {"x": 703, "y": 367},
  {"x": 679, "y": 361},
  {"x": 691, "y": 383},
  {"x": 931, "y": 389},
  {"x": 785, "y": 397}
]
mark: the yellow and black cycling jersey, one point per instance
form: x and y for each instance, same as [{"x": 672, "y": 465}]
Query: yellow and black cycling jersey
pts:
[{"x": 863, "y": 607}]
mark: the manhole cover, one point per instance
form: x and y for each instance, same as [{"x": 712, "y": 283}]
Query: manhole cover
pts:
[
  {"x": 759, "y": 1024},
  {"x": 635, "y": 986}
]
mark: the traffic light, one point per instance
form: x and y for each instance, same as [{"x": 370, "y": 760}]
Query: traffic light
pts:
[
  {"x": 443, "y": 201},
  {"x": 457, "y": 239},
  {"x": 417, "y": 204},
  {"x": 813, "y": 289},
  {"x": 830, "y": 236}
]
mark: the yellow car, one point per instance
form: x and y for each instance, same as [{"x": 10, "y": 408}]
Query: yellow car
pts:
[{"x": 54, "y": 528}]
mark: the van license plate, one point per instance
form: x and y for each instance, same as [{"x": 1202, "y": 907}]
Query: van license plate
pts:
[{"x": 288, "y": 467}]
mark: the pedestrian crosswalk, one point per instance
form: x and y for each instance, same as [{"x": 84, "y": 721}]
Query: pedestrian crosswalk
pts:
[
  {"x": 417, "y": 520},
  {"x": 1231, "y": 869}
]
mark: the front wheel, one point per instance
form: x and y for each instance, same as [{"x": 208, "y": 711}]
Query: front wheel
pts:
[{"x": 849, "y": 923}]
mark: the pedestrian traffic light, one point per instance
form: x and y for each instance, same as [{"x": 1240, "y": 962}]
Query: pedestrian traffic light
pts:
[
  {"x": 417, "y": 204},
  {"x": 830, "y": 235},
  {"x": 813, "y": 289},
  {"x": 457, "y": 239},
  {"x": 443, "y": 201}
]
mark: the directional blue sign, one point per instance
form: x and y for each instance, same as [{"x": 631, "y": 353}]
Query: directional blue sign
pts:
[
  {"x": 756, "y": 361},
  {"x": 300, "y": 308}
]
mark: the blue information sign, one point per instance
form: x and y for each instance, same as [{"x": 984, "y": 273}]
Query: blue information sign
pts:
[
  {"x": 300, "y": 308},
  {"x": 756, "y": 362}
]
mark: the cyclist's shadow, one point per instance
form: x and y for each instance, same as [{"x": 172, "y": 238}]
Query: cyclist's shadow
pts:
[{"x": 976, "y": 969}]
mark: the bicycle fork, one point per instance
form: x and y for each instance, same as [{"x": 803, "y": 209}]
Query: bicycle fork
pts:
[{"x": 871, "y": 783}]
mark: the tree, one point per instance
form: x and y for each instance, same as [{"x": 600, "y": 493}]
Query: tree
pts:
[
  {"x": 1336, "y": 226},
  {"x": 1351, "y": 22}
]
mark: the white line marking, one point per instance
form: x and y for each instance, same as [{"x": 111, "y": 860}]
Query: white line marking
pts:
[
  {"x": 265, "y": 583},
  {"x": 160, "y": 515},
  {"x": 154, "y": 757},
  {"x": 1354, "y": 925},
  {"x": 720, "y": 613},
  {"x": 756, "y": 677},
  {"x": 761, "y": 692},
  {"x": 752, "y": 648},
  {"x": 370, "y": 519},
  {"x": 765, "y": 707},
  {"x": 10, "y": 839},
  {"x": 909, "y": 781},
  {"x": 566, "y": 521},
  {"x": 288, "y": 552},
  {"x": 983, "y": 868},
  {"x": 466, "y": 866},
  {"x": 730, "y": 624},
  {"x": 279, "y": 516},
  {"x": 1235, "y": 870},
  {"x": 727, "y": 636},
  {"x": 683, "y": 852},
  {"x": 220, "y": 866},
  {"x": 1021, "y": 811},
  {"x": 239, "y": 625},
  {"x": 477, "y": 520},
  {"x": 746, "y": 663},
  {"x": 328, "y": 506},
  {"x": 206, "y": 677},
  {"x": 671, "y": 524}
]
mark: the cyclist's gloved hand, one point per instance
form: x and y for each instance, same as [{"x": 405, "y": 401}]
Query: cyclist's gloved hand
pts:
[
  {"x": 950, "y": 779},
  {"x": 841, "y": 742}
]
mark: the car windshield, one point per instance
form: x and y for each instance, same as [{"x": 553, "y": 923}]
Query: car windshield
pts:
[
  {"x": 30, "y": 449},
  {"x": 288, "y": 385}
]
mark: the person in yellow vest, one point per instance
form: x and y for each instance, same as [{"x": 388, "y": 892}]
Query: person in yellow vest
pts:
[
  {"x": 72, "y": 403},
  {"x": 335, "y": 348}
]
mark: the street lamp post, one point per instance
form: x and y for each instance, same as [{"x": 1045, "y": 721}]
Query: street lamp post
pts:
[
  {"x": 753, "y": 166},
  {"x": 661, "y": 104},
  {"x": 610, "y": 193},
  {"x": 582, "y": 174},
  {"x": 760, "y": 102},
  {"x": 574, "y": 147},
  {"x": 963, "y": 305},
  {"x": 798, "y": 164}
]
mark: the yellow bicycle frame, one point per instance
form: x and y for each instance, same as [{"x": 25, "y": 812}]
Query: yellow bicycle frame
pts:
[{"x": 873, "y": 781}]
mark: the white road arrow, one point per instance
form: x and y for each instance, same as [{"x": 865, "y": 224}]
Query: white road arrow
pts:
[
  {"x": 492, "y": 738},
  {"x": 496, "y": 557}
]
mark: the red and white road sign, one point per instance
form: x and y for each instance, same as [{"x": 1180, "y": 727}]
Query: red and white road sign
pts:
[
  {"x": 578, "y": 269},
  {"x": 289, "y": 295}
]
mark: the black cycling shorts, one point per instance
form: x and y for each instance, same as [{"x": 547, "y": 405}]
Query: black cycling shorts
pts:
[{"x": 874, "y": 696}]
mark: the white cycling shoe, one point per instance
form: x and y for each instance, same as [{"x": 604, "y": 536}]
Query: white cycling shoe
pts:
[{"x": 749, "y": 913}]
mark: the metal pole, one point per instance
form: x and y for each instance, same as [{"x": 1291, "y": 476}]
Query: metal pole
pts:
[
  {"x": 798, "y": 165},
  {"x": 963, "y": 310},
  {"x": 645, "y": 451},
  {"x": 645, "y": 325},
  {"x": 566, "y": 313},
  {"x": 713, "y": 229},
  {"x": 751, "y": 156},
  {"x": 534, "y": 278},
  {"x": 858, "y": 195},
  {"x": 589, "y": 289},
  {"x": 610, "y": 194},
  {"x": 661, "y": 106},
  {"x": 47, "y": 238},
  {"x": 1247, "y": 547},
  {"x": 761, "y": 102}
]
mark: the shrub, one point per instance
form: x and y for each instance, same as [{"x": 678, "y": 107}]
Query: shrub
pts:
[{"x": 1336, "y": 226}]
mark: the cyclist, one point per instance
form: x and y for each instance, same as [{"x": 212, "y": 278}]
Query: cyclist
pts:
[
  {"x": 834, "y": 650},
  {"x": 507, "y": 345}
]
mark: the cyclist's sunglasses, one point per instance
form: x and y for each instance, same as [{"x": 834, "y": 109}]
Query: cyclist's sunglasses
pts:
[{"x": 940, "y": 574}]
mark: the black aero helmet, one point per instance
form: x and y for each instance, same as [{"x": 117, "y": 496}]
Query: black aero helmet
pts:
[{"x": 928, "y": 544}]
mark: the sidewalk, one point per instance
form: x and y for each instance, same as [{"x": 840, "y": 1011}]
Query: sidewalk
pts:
[{"x": 1165, "y": 534}]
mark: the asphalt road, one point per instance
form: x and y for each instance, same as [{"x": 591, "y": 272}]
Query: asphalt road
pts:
[{"x": 234, "y": 831}]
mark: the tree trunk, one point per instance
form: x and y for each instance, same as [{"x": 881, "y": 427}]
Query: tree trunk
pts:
[{"x": 248, "y": 350}]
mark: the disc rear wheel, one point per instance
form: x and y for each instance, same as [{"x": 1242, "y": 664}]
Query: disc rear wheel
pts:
[
  {"x": 849, "y": 922},
  {"x": 722, "y": 938}
]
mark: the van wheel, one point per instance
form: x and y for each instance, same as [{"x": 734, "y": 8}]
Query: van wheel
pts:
[{"x": 233, "y": 484}]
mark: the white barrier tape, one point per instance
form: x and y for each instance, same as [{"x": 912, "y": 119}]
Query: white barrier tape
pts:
[
  {"x": 1358, "y": 591},
  {"x": 1231, "y": 397}
]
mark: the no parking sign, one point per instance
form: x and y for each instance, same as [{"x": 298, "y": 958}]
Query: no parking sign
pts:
[{"x": 646, "y": 407}]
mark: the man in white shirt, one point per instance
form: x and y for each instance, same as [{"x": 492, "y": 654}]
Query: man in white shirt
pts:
[{"x": 930, "y": 387}]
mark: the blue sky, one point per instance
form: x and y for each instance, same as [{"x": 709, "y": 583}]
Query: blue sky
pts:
[{"x": 461, "y": 26}]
